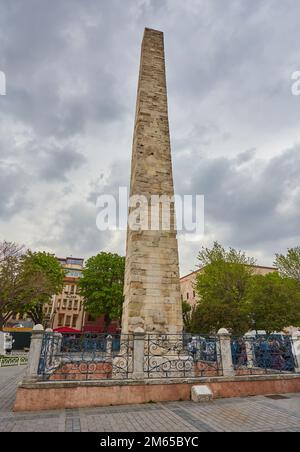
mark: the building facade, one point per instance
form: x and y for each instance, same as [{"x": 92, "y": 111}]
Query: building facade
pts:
[
  {"x": 187, "y": 283},
  {"x": 66, "y": 309}
]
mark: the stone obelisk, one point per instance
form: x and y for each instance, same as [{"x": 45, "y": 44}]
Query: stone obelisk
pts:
[{"x": 152, "y": 289}]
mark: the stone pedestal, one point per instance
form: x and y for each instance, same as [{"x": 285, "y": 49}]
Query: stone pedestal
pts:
[
  {"x": 34, "y": 354},
  {"x": 249, "y": 344},
  {"x": 2, "y": 348},
  {"x": 226, "y": 354},
  {"x": 201, "y": 394},
  {"x": 139, "y": 353}
]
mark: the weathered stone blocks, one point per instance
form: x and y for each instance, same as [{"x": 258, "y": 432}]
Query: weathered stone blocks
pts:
[
  {"x": 152, "y": 289},
  {"x": 201, "y": 394}
]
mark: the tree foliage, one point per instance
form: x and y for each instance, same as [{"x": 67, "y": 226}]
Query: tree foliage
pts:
[
  {"x": 289, "y": 265},
  {"x": 102, "y": 286},
  {"x": 10, "y": 280},
  {"x": 187, "y": 311},
  {"x": 43, "y": 277},
  {"x": 218, "y": 253},
  {"x": 232, "y": 296},
  {"x": 27, "y": 281},
  {"x": 273, "y": 302},
  {"x": 221, "y": 288}
]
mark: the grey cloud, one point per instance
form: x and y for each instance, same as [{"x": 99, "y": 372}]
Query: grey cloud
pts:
[
  {"x": 72, "y": 68},
  {"x": 245, "y": 156},
  {"x": 60, "y": 69},
  {"x": 39, "y": 158},
  {"x": 251, "y": 202},
  {"x": 12, "y": 191},
  {"x": 77, "y": 232},
  {"x": 118, "y": 176},
  {"x": 57, "y": 163}
]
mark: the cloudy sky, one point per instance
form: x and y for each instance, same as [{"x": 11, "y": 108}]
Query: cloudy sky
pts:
[{"x": 66, "y": 122}]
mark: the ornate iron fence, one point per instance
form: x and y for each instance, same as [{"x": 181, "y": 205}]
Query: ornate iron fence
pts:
[
  {"x": 9, "y": 361},
  {"x": 181, "y": 355},
  {"x": 263, "y": 354},
  {"x": 88, "y": 356},
  {"x": 85, "y": 356}
]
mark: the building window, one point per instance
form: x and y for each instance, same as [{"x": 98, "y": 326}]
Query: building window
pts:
[
  {"x": 61, "y": 319},
  {"x": 65, "y": 303},
  {"x": 72, "y": 290},
  {"x": 76, "y": 304},
  {"x": 75, "y": 261},
  {"x": 70, "y": 304},
  {"x": 68, "y": 320},
  {"x": 66, "y": 289},
  {"x": 74, "y": 321}
]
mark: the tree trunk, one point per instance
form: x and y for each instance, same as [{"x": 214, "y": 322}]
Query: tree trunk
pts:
[
  {"x": 37, "y": 315},
  {"x": 106, "y": 323},
  {"x": 1, "y": 323}
]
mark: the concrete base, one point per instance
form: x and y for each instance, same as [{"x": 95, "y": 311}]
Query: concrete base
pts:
[
  {"x": 201, "y": 394},
  {"x": 59, "y": 395}
]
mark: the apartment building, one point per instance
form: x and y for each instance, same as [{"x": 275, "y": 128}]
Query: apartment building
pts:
[{"x": 66, "y": 309}]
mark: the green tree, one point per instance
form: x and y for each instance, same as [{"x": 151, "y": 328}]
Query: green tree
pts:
[
  {"x": 27, "y": 281},
  {"x": 218, "y": 253},
  {"x": 273, "y": 302},
  {"x": 221, "y": 286},
  {"x": 11, "y": 284},
  {"x": 289, "y": 265},
  {"x": 187, "y": 315},
  {"x": 42, "y": 277},
  {"x": 102, "y": 286}
]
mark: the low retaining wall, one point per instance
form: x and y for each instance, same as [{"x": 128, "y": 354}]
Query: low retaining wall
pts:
[{"x": 58, "y": 395}]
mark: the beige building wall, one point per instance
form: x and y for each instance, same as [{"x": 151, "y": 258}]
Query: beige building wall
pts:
[
  {"x": 67, "y": 309},
  {"x": 187, "y": 283}
]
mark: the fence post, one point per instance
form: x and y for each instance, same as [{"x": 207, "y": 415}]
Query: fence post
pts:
[
  {"x": 249, "y": 350},
  {"x": 109, "y": 345},
  {"x": 2, "y": 349},
  {"x": 296, "y": 350},
  {"x": 226, "y": 354},
  {"x": 34, "y": 353},
  {"x": 138, "y": 354}
]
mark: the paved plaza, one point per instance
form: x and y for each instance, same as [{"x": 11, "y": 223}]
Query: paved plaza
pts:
[{"x": 252, "y": 414}]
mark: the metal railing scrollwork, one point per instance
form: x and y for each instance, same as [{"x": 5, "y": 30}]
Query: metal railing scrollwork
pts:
[
  {"x": 181, "y": 355},
  {"x": 263, "y": 354},
  {"x": 85, "y": 356}
]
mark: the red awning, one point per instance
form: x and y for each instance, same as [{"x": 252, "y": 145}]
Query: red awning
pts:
[{"x": 65, "y": 329}]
